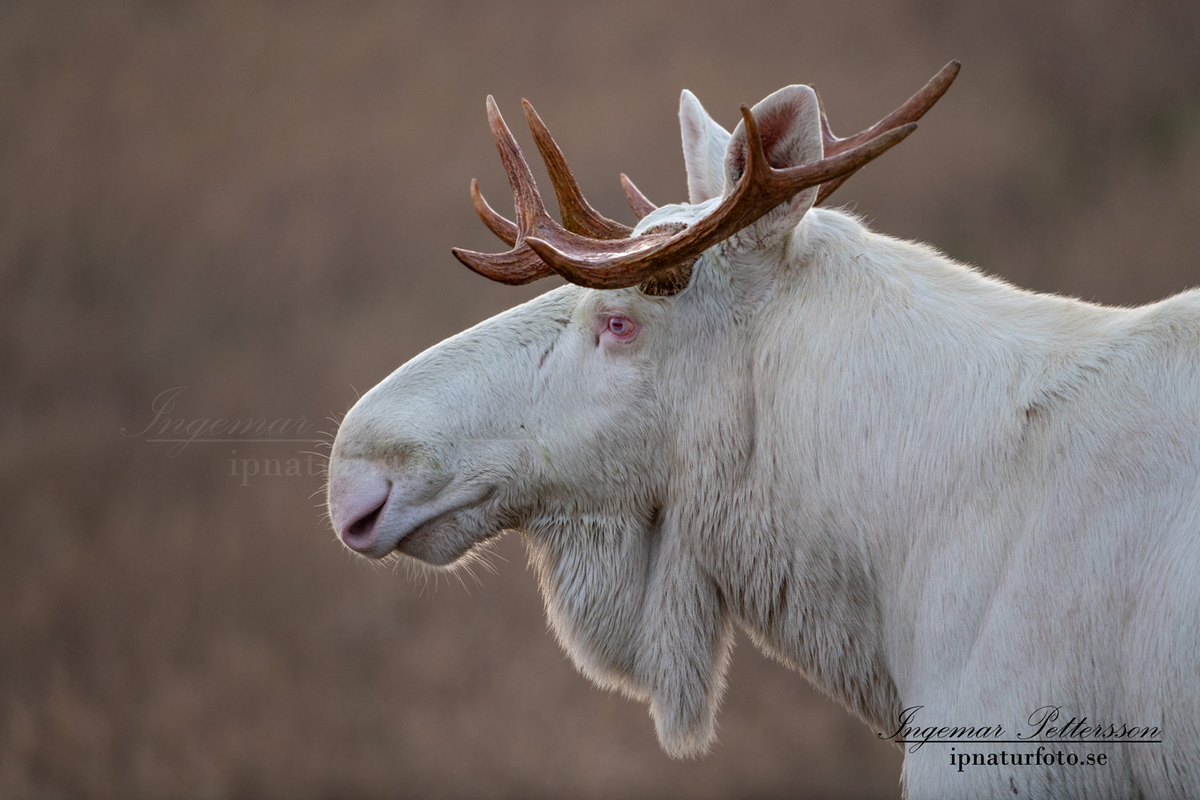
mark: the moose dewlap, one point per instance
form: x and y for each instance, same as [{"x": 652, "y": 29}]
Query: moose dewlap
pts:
[{"x": 916, "y": 484}]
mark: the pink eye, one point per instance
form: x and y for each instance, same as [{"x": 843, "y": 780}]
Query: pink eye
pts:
[{"x": 621, "y": 327}]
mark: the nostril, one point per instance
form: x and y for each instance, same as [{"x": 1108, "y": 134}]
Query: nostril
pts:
[
  {"x": 358, "y": 498},
  {"x": 362, "y": 530}
]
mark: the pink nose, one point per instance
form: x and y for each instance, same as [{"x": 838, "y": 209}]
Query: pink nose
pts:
[{"x": 358, "y": 494}]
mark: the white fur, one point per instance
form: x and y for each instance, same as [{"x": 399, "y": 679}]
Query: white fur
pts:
[
  {"x": 915, "y": 484},
  {"x": 704, "y": 143}
]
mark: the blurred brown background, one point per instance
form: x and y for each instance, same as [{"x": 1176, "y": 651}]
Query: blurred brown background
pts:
[{"x": 257, "y": 202}]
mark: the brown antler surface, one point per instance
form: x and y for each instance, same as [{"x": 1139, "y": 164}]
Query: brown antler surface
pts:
[
  {"x": 503, "y": 228},
  {"x": 637, "y": 201},
  {"x": 520, "y": 264},
  {"x": 629, "y": 262},
  {"x": 591, "y": 250},
  {"x": 912, "y": 110},
  {"x": 578, "y": 216}
]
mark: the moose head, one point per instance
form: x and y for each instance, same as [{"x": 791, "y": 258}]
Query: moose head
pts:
[{"x": 642, "y": 426}]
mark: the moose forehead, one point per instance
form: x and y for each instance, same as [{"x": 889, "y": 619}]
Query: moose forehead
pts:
[{"x": 676, "y": 213}]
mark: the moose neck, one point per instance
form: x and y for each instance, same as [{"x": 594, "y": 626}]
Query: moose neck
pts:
[{"x": 859, "y": 436}]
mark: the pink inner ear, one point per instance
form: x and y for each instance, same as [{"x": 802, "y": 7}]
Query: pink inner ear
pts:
[
  {"x": 773, "y": 125},
  {"x": 779, "y": 126},
  {"x": 739, "y": 159}
]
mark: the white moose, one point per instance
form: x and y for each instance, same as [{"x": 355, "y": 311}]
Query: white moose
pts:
[{"x": 956, "y": 506}]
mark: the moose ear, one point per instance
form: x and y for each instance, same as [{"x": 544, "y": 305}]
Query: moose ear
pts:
[
  {"x": 789, "y": 123},
  {"x": 704, "y": 143}
]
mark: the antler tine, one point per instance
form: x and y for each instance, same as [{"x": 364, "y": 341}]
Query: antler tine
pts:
[
  {"x": 521, "y": 264},
  {"x": 517, "y": 266},
  {"x": 505, "y": 229},
  {"x": 578, "y": 216},
  {"x": 757, "y": 165},
  {"x": 761, "y": 187},
  {"x": 910, "y": 111},
  {"x": 637, "y": 201},
  {"x": 530, "y": 209}
]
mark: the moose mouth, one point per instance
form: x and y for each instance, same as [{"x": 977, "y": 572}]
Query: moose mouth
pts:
[
  {"x": 387, "y": 521},
  {"x": 442, "y": 540}
]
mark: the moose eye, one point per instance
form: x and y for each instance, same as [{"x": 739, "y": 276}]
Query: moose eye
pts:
[{"x": 621, "y": 327}]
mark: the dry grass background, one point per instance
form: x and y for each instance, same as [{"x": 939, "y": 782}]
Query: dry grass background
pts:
[{"x": 257, "y": 201}]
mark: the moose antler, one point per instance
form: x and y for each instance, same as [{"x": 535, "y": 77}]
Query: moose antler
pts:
[
  {"x": 637, "y": 201},
  {"x": 912, "y": 110},
  {"x": 628, "y": 262},
  {"x": 522, "y": 264},
  {"x": 599, "y": 253}
]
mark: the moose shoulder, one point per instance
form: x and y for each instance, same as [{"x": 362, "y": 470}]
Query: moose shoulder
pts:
[{"x": 917, "y": 485}]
